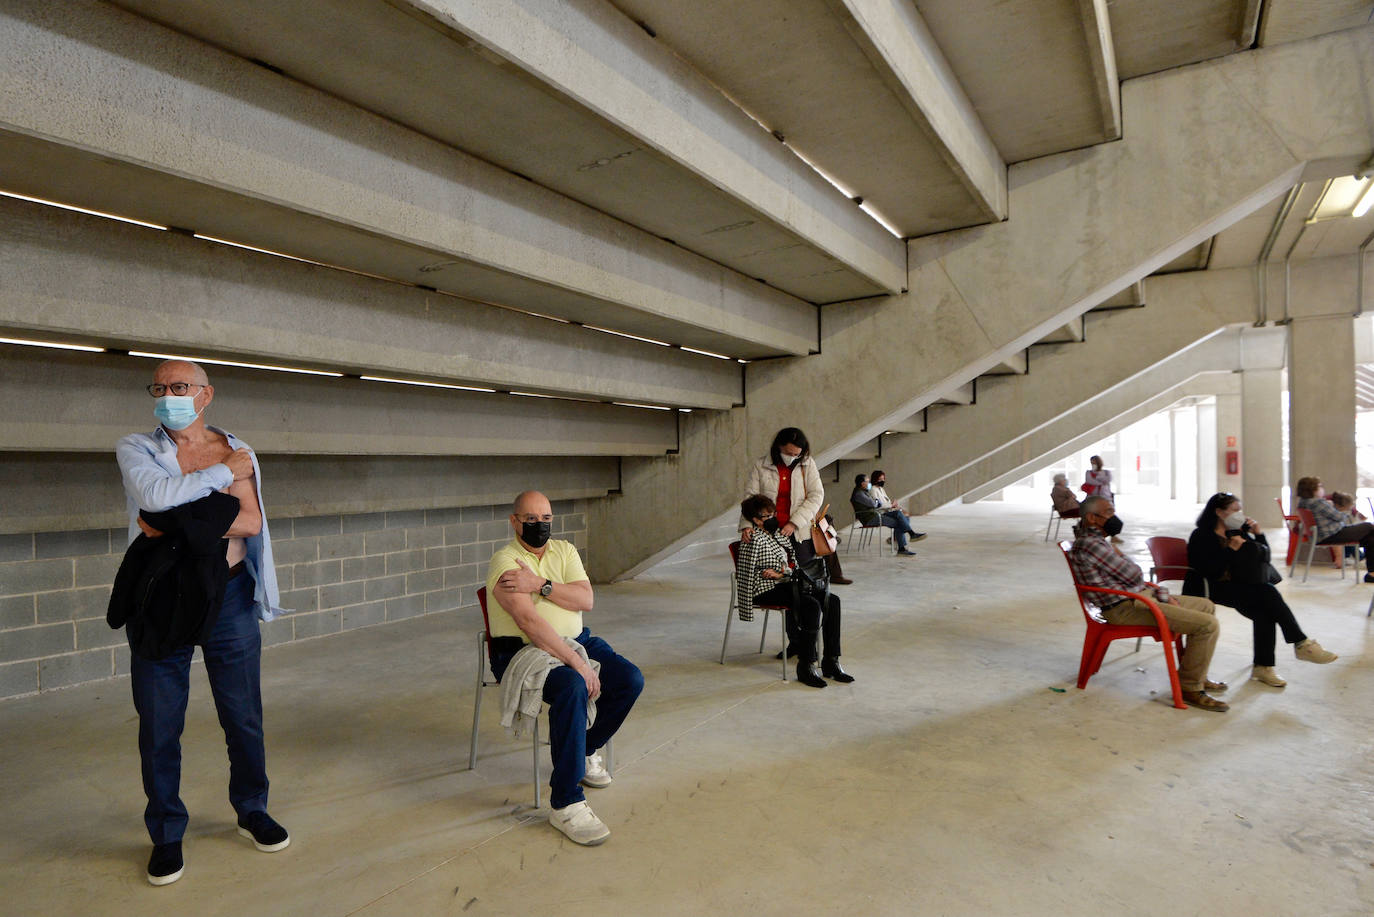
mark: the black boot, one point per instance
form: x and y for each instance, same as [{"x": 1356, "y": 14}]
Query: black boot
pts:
[
  {"x": 791, "y": 651},
  {"x": 807, "y": 674},
  {"x": 830, "y": 668}
]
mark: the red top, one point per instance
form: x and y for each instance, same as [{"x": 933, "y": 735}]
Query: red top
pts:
[{"x": 784, "y": 501}]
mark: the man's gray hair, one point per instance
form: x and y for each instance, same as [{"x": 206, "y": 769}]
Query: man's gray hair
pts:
[
  {"x": 1093, "y": 504},
  {"x": 1061, "y": 478}
]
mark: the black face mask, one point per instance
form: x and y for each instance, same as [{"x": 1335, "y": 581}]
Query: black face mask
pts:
[
  {"x": 535, "y": 534},
  {"x": 1112, "y": 526},
  {"x": 880, "y": 483},
  {"x": 771, "y": 524}
]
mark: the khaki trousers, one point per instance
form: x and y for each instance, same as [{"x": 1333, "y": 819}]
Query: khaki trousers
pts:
[{"x": 1194, "y": 616}]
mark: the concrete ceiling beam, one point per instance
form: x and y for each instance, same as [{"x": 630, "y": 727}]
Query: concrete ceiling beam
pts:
[
  {"x": 1097, "y": 32},
  {"x": 83, "y": 278},
  {"x": 104, "y": 109},
  {"x": 287, "y": 413},
  {"x": 614, "y": 113},
  {"x": 895, "y": 39},
  {"x": 1294, "y": 20},
  {"x": 855, "y": 88}
]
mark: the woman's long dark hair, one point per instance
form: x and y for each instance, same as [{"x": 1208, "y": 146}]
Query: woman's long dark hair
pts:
[
  {"x": 789, "y": 436},
  {"x": 1208, "y": 518}
]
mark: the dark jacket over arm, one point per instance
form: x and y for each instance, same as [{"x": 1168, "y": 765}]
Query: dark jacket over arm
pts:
[
  {"x": 1212, "y": 559},
  {"x": 169, "y": 589}
]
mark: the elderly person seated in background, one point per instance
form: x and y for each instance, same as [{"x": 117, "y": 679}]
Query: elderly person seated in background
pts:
[
  {"x": 1065, "y": 503},
  {"x": 1333, "y": 525}
]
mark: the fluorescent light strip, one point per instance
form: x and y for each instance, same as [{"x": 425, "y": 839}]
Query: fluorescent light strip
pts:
[
  {"x": 706, "y": 353},
  {"x": 651, "y": 407},
  {"x": 633, "y": 337},
  {"x": 27, "y": 343},
  {"x": 684, "y": 410},
  {"x": 275, "y": 369},
  {"x": 879, "y": 218},
  {"x": 1365, "y": 202},
  {"x": 254, "y": 248},
  {"x": 94, "y": 213},
  {"x": 461, "y": 388}
]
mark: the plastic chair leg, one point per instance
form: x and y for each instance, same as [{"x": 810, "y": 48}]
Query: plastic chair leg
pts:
[
  {"x": 1172, "y": 666},
  {"x": 477, "y": 699},
  {"x": 538, "y": 800},
  {"x": 729, "y": 616},
  {"x": 764, "y": 634},
  {"x": 1049, "y": 522},
  {"x": 1085, "y": 669}
]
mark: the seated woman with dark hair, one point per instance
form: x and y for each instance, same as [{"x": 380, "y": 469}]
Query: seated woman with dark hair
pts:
[
  {"x": 1229, "y": 551},
  {"x": 765, "y": 575},
  {"x": 1336, "y": 525}
]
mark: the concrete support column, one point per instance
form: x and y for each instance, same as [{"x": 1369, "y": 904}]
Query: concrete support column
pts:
[
  {"x": 1227, "y": 439},
  {"x": 1321, "y": 380},
  {"x": 1321, "y": 373},
  {"x": 1206, "y": 450},
  {"x": 1261, "y": 444}
]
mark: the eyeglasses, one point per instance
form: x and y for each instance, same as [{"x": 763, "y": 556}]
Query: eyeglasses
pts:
[
  {"x": 531, "y": 517},
  {"x": 157, "y": 389}
]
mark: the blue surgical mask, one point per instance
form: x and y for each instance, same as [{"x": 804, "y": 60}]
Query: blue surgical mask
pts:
[{"x": 176, "y": 412}]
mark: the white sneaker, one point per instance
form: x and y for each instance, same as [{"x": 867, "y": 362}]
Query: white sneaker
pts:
[
  {"x": 596, "y": 774},
  {"x": 1265, "y": 675},
  {"x": 1310, "y": 650},
  {"x": 580, "y": 824}
]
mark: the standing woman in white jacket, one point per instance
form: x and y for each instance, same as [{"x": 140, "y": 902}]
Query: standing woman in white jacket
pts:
[{"x": 788, "y": 476}]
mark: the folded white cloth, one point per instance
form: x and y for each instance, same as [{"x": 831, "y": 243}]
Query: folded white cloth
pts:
[{"x": 522, "y": 686}]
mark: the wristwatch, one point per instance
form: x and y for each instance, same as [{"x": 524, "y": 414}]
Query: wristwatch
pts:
[{"x": 546, "y": 590}]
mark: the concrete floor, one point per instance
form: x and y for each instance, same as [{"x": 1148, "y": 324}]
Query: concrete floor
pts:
[{"x": 949, "y": 779}]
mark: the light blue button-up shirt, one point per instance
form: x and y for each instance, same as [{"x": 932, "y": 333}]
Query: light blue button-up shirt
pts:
[{"x": 153, "y": 481}]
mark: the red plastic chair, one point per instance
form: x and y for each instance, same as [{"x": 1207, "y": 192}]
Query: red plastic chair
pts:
[
  {"x": 1293, "y": 524},
  {"x": 1307, "y": 535},
  {"x": 1100, "y": 633},
  {"x": 748, "y": 614}
]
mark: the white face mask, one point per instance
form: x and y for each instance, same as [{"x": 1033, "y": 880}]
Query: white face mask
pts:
[
  {"x": 790, "y": 460},
  {"x": 1234, "y": 522}
]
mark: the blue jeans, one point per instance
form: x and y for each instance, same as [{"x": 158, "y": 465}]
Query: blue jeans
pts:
[
  {"x": 565, "y": 691},
  {"x": 233, "y": 656},
  {"x": 900, "y": 525}
]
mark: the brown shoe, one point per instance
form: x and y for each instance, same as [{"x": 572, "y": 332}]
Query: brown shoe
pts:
[
  {"x": 841, "y": 580},
  {"x": 1202, "y": 701},
  {"x": 1216, "y": 687}
]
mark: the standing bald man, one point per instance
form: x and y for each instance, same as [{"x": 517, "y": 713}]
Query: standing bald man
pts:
[
  {"x": 541, "y": 590},
  {"x": 182, "y": 461}
]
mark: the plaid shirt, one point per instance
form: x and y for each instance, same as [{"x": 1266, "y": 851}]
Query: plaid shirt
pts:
[
  {"x": 1096, "y": 563},
  {"x": 1329, "y": 519},
  {"x": 762, "y": 551}
]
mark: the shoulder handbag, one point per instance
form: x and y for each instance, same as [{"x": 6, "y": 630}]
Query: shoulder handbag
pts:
[{"x": 824, "y": 538}]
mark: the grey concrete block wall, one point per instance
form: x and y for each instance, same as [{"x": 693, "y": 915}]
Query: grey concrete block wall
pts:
[{"x": 336, "y": 573}]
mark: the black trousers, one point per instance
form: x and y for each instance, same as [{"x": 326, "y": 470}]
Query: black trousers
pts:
[
  {"x": 1265, "y": 607},
  {"x": 805, "y": 619},
  {"x": 1364, "y": 534}
]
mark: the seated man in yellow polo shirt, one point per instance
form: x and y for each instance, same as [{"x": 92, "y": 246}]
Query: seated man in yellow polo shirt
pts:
[{"x": 541, "y": 591}]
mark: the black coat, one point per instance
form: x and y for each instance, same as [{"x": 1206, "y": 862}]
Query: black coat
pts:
[
  {"x": 1211, "y": 558},
  {"x": 169, "y": 589}
]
